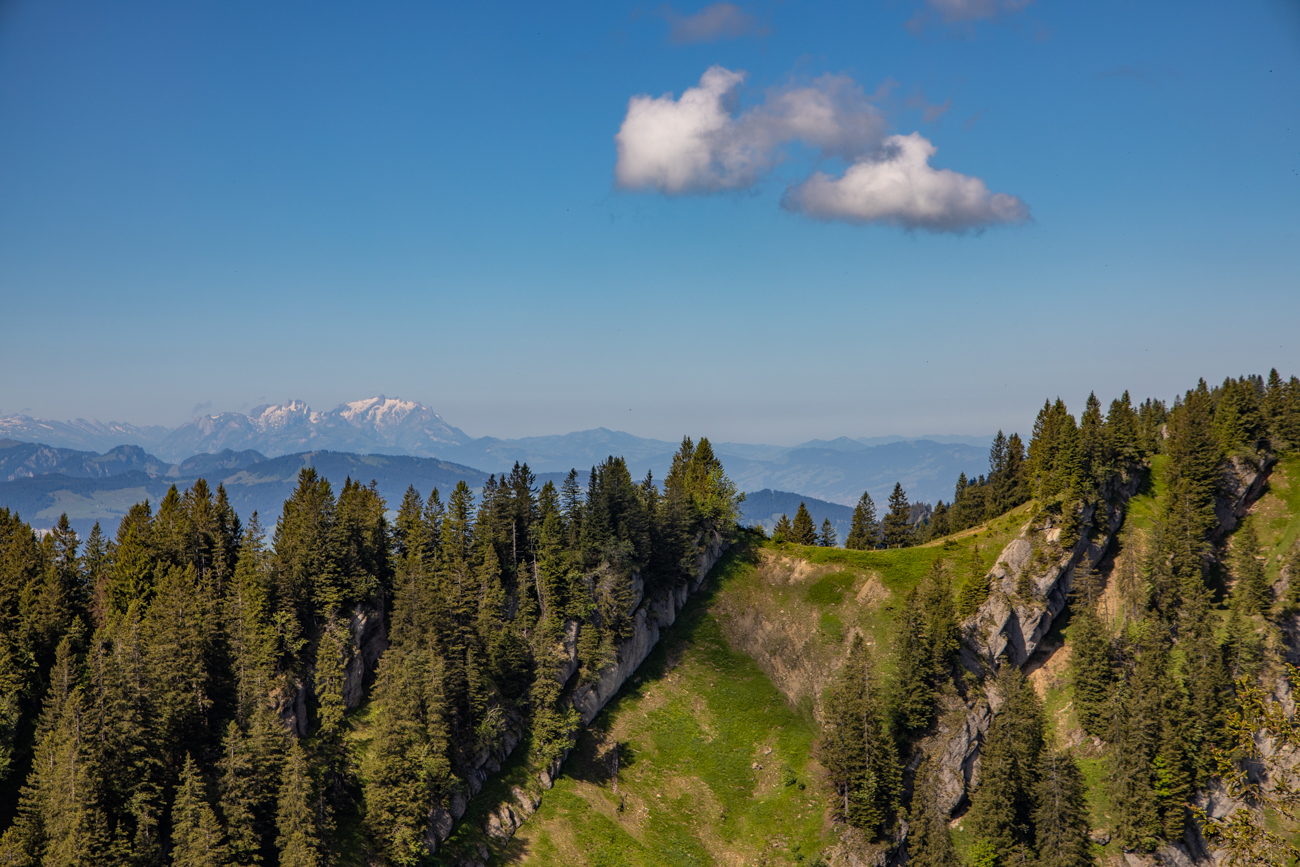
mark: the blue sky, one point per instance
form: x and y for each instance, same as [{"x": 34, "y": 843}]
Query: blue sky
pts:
[{"x": 203, "y": 208}]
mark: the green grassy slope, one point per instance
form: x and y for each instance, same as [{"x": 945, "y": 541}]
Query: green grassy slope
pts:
[
  {"x": 697, "y": 783},
  {"x": 714, "y": 766}
]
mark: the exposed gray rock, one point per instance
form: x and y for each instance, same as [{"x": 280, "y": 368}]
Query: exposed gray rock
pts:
[
  {"x": 1013, "y": 626},
  {"x": 369, "y": 641},
  {"x": 1241, "y": 484},
  {"x": 290, "y": 702},
  {"x": 568, "y": 651}
]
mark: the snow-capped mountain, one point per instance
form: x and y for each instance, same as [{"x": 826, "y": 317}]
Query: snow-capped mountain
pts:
[
  {"x": 80, "y": 434},
  {"x": 380, "y": 425}
]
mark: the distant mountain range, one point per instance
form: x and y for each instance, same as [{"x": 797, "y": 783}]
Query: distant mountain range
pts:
[
  {"x": 78, "y": 485},
  {"x": 357, "y": 433}
]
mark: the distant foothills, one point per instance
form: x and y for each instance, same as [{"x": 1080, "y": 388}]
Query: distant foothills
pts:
[{"x": 92, "y": 470}]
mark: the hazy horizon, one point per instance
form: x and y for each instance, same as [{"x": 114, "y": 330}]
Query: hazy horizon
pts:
[{"x": 759, "y": 222}]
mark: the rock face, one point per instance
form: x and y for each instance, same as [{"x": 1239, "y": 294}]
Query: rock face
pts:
[
  {"x": 1028, "y": 589},
  {"x": 369, "y": 641},
  {"x": 649, "y": 618},
  {"x": 1011, "y": 622},
  {"x": 1241, "y": 485}
]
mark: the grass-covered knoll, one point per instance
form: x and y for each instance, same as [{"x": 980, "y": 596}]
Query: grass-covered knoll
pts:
[
  {"x": 795, "y": 608},
  {"x": 714, "y": 766}
]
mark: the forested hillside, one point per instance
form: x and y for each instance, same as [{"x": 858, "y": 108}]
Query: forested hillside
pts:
[
  {"x": 1058, "y": 684},
  {"x": 187, "y": 690},
  {"x": 1058, "y": 660}
]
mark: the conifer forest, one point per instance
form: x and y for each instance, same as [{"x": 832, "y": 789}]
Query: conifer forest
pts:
[{"x": 1085, "y": 656}]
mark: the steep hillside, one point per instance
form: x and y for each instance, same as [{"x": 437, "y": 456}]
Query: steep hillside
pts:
[{"x": 698, "y": 761}]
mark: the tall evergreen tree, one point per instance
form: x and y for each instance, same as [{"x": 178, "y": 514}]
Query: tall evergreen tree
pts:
[
  {"x": 827, "y": 536},
  {"x": 864, "y": 534},
  {"x": 1251, "y": 594},
  {"x": 897, "y": 526},
  {"x": 784, "y": 529},
  {"x": 803, "y": 530},
  {"x": 301, "y": 820},
  {"x": 928, "y": 842},
  {"x": 197, "y": 839},
  {"x": 1002, "y": 805},
  {"x": 1090, "y": 667},
  {"x": 1061, "y": 816},
  {"x": 858, "y": 752}
]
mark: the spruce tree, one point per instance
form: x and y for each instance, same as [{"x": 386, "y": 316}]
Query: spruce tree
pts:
[
  {"x": 1061, "y": 816},
  {"x": 864, "y": 534},
  {"x": 897, "y": 526},
  {"x": 827, "y": 536},
  {"x": 241, "y": 799},
  {"x": 1090, "y": 668},
  {"x": 1250, "y": 594},
  {"x": 299, "y": 818},
  {"x": 928, "y": 842},
  {"x": 858, "y": 752},
  {"x": 197, "y": 840},
  {"x": 784, "y": 530},
  {"x": 1002, "y": 805},
  {"x": 802, "y": 530}
]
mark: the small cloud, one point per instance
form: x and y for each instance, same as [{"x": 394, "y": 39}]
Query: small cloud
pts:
[
  {"x": 929, "y": 113},
  {"x": 697, "y": 144},
  {"x": 969, "y": 123},
  {"x": 712, "y": 23},
  {"x": 899, "y": 187},
  {"x": 962, "y": 13},
  {"x": 201, "y": 407}
]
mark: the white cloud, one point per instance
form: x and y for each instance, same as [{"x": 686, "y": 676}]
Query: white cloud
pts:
[
  {"x": 719, "y": 21},
  {"x": 696, "y": 144},
  {"x": 898, "y": 186}
]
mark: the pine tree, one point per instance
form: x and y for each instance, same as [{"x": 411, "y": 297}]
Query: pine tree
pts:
[
  {"x": 827, "y": 536},
  {"x": 928, "y": 843},
  {"x": 1251, "y": 593},
  {"x": 197, "y": 840},
  {"x": 300, "y": 822},
  {"x": 1002, "y": 805},
  {"x": 58, "y": 818},
  {"x": 242, "y": 798},
  {"x": 1090, "y": 668},
  {"x": 858, "y": 752},
  {"x": 1061, "y": 817},
  {"x": 802, "y": 530},
  {"x": 179, "y": 631},
  {"x": 864, "y": 534},
  {"x": 897, "y": 526}
]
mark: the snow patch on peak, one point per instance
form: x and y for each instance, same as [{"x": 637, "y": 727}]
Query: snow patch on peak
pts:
[
  {"x": 381, "y": 411},
  {"x": 273, "y": 417}
]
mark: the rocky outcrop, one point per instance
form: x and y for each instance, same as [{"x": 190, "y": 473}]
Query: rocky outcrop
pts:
[
  {"x": 1240, "y": 485},
  {"x": 369, "y": 641},
  {"x": 650, "y": 616},
  {"x": 1029, "y": 587},
  {"x": 1031, "y": 581}
]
